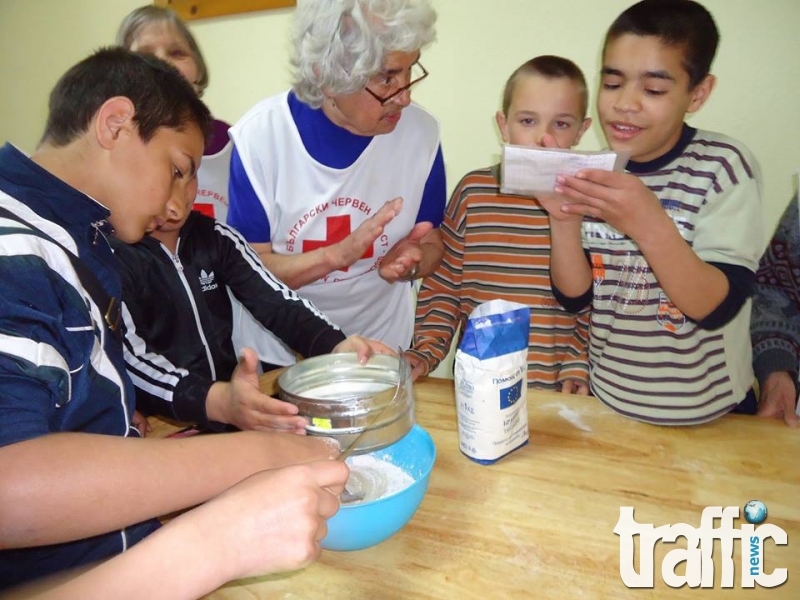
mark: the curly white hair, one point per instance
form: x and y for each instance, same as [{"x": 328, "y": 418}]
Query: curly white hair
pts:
[{"x": 340, "y": 44}]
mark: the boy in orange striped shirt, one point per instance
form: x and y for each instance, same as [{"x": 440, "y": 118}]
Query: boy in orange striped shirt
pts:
[{"x": 498, "y": 245}]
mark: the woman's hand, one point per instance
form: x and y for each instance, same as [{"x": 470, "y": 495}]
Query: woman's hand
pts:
[
  {"x": 402, "y": 262},
  {"x": 353, "y": 247}
]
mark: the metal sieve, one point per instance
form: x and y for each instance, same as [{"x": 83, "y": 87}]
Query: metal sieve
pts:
[{"x": 343, "y": 398}]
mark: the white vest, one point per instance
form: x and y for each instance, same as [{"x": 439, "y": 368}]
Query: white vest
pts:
[
  {"x": 212, "y": 184},
  {"x": 309, "y": 205}
]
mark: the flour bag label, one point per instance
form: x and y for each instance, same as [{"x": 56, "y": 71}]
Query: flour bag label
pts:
[{"x": 491, "y": 373}]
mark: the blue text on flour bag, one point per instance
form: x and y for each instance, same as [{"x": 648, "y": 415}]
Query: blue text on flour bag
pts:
[{"x": 491, "y": 372}]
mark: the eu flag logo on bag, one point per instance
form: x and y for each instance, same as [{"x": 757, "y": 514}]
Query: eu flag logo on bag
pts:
[{"x": 510, "y": 395}]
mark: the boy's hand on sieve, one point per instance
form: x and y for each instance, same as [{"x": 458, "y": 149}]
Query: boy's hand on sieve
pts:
[
  {"x": 418, "y": 366},
  {"x": 241, "y": 403},
  {"x": 363, "y": 347}
]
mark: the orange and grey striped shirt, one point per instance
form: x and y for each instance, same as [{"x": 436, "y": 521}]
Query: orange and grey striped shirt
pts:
[{"x": 498, "y": 246}]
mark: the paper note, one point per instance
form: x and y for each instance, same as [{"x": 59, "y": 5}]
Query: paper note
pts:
[{"x": 528, "y": 171}]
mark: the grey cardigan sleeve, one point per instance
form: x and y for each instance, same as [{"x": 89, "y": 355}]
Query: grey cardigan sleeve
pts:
[{"x": 775, "y": 324}]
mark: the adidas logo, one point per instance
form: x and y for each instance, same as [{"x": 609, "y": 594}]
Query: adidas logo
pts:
[{"x": 207, "y": 282}]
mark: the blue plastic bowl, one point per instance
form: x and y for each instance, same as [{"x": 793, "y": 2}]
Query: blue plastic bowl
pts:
[{"x": 361, "y": 525}]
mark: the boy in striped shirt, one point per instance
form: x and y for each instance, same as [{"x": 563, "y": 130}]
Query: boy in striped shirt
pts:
[
  {"x": 498, "y": 245},
  {"x": 674, "y": 241}
]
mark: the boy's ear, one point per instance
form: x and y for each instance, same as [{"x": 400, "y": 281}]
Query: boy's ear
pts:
[
  {"x": 502, "y": 124},
  {"x": 114, "y": 118},
  {"x": 701, "y": 92},
  {"x": 587, "y": 122}
]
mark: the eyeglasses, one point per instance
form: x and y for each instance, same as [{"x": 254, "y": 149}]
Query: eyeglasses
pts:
[{"x": 418, "y": 73}]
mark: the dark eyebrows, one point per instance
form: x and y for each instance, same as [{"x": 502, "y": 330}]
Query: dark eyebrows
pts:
[
  {"x": 658, "y": 75},
  {"x": 610, "y": 71},
  {"x": 533, "y": 113},
  {"x": 646, "y": 75}
]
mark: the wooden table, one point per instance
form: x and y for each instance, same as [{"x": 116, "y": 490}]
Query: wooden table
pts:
[{"x": 539, "y": 523}]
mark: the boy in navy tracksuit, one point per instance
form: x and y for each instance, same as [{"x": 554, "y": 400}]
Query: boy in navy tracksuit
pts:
[{"x": 124, "y": 136}]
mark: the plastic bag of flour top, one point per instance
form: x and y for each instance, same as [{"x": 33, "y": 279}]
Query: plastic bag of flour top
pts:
[{"x": 491, "y": 373}]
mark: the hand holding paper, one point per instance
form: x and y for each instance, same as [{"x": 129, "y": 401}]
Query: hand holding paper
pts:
[{"x": 529, "y": 171}]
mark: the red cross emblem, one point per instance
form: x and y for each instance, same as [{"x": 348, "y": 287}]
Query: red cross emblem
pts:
[
  {"x": 336, "y": 229},
  {"x": 206, "y": 209}
]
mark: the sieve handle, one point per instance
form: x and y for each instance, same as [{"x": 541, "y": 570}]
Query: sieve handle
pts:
[{"x": 398, "y": 392}]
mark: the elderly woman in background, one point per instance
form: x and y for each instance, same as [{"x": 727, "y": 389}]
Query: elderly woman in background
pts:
[
  {"x": 159, "y": 31},
  {"x": 339, "y": 183}
]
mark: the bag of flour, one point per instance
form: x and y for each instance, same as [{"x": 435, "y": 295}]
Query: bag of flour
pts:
[{"x": 491, "y": 373}]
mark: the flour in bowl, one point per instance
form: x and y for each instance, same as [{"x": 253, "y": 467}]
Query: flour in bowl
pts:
[{"x": 375, "y": 478}]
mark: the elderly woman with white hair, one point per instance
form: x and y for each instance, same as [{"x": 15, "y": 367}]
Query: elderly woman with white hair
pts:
[{"x": 339, "y": 183}]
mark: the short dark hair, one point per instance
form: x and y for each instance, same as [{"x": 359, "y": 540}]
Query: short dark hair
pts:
[
  {"x": 552, "y": 67},
  {"x": 682, "y": 23},
  {"x": 161, "y": 96}
]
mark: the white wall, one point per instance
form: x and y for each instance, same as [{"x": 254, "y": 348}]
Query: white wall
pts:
[{"x": 479, "y": 43}]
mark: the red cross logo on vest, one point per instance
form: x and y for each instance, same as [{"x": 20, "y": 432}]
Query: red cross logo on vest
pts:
[
  {"x": 336, "y": 229},
  {"x": 205, "y": 209}
]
